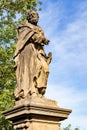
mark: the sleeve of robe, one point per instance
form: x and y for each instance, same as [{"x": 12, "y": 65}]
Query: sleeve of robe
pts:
[{"x": 24, "y": 34}]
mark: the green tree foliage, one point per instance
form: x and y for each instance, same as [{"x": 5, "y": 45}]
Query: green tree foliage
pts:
[
  {"x": 12, "y": 12},
  {"x": 69, "y": 127}
]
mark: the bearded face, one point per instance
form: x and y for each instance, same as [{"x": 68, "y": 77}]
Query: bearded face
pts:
[{"x": 32, "y": 17}]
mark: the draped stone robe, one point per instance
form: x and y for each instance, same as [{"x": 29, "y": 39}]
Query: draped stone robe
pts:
[{"x": 31, "y": 62}]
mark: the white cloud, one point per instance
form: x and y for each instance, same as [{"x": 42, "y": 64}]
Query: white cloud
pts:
[
  {"x": 50, "y": 17},
  {"x": 69, "y": 48},
  {"x": 72, "y": 43},
  {"x": 71, "y": 98},
  {"x": 77, "y": 121},
  {"x": 66, "y": 95}
]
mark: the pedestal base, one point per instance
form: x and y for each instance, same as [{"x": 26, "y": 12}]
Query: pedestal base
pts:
[{"x": 37, "y": 114}]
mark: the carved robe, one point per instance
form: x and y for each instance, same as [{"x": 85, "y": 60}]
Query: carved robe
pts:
[{"x": 31, "y": 62}]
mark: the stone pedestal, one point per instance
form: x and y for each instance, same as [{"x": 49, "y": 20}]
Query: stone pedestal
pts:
[{"x": 36, "y": 114}]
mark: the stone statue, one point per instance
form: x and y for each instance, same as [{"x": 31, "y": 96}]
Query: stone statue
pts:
[{"x": 31, "y": 62}]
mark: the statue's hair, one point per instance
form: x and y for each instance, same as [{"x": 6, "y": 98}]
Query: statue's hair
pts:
[{"x": 30, "y": 14}]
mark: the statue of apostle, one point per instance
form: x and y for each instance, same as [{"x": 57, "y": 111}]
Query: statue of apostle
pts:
[{"x": 31, "y": 62}]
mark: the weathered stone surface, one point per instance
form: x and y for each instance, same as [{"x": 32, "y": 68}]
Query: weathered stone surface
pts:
[
  {"x": 31, "y": 61},
  {"x": 32, "y": 111},
  {"x": 37, "y": 115}
]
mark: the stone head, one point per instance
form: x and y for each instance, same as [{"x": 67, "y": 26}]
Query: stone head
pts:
[{"x": 32, "y": 17}]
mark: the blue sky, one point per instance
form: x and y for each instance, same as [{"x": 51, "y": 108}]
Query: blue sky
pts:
[{"x": 65, "y": 25}]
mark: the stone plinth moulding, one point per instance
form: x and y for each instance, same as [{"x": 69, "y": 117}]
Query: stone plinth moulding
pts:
[{"x": 35, "y": 114}]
